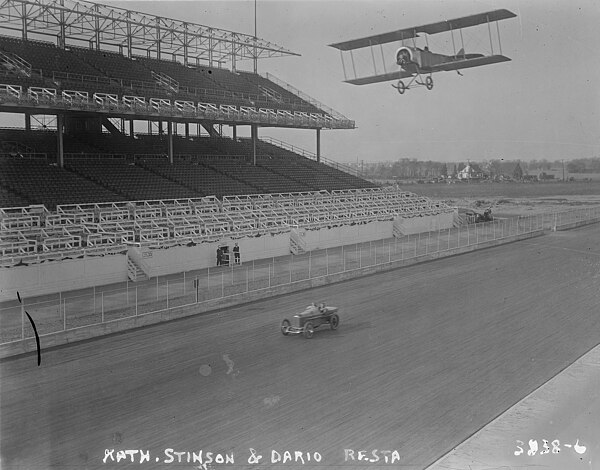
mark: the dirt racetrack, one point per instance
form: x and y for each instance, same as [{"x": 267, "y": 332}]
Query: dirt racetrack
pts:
[{"x": 424, "y": 357}]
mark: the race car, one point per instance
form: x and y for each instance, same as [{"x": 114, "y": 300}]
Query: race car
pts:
[{"x": 310, "y": 319}]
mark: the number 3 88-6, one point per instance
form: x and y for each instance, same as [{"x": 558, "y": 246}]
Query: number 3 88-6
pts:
[{"x": 534, "y": 447}]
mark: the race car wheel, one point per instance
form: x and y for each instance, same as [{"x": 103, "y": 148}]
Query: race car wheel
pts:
[
  {"x": 401, "y": 87},
  {"x": 285, "y": 327},
  {"x": 308, "y": 330},
  {"x": 334, "y": 321}
]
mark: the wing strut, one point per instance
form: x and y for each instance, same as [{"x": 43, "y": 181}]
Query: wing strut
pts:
[
  {"x": 383, "y": 59},
  {"x": 343, "y": 65},
  {"x": 490, "y": 31},
  {"x": 353, "y": 66},
  {"x": 499, "y": 42},
  {"x": 373, "y": 56}
]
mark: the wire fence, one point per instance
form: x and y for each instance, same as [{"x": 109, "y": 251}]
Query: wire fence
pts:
[{"x": 101, "y": 304}]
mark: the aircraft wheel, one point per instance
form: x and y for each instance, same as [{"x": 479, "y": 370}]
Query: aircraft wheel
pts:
[
  {"x": 285, "y": 327},
  {"x": 401, "y": 87},
  {"x": 308, "y": 330},
  {"x": 429, "y": 83}
]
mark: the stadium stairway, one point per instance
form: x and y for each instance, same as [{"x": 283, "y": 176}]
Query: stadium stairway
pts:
[{"x": 134, "y": 272}]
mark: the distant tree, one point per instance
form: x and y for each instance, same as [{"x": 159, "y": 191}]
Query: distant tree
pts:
[
  {"x": 518, "y": 172},
  {"x": 495, "y": 168},
  {"x": 444, "y": 171},
  {"x": 454, "y": 171},
  {"x": 461, "y": 166}
]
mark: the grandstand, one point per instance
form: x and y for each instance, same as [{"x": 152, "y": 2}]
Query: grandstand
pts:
[{"x": 80, "y": 179}]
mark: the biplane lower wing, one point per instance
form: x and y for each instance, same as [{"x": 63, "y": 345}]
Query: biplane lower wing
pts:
[
  {"x": 468, "y": 63},
  {"x": 386, "y": 77}
]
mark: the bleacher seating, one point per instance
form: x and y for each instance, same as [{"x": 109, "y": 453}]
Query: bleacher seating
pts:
[
  {"x": 99, "y": 71},
  {"x": 43, "y": 183},
  {"x": 203, "y": 179},
  {"x": 31, "y": 233},
  {"x": 264, "y": 180},
  {"x": 9, "y": 198},
  {"x": 129, "y": 179},
  {"x": 203, "y": 166},
  {"x": 46, "y": 57}
]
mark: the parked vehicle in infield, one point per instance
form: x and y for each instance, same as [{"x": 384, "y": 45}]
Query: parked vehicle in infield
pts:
[{"x": 307, "y": 321}]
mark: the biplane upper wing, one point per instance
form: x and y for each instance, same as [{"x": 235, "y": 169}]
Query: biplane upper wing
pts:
[
  {"x": 432, "y": 28},
  {"x": 469, "y": 62},
  {"x": 384, "y": 77}
]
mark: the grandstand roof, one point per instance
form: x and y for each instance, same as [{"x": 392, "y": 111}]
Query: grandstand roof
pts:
[{"x": 105, "y": 27}]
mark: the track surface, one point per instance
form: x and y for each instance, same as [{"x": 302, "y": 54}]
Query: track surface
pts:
[{"x": 424, "y": 357}]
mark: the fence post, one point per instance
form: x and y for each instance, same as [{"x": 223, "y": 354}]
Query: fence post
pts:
[
  {"x": 136, "y": 301},
  {"x": 183, "y": 282},
  {"x": 94, "y": 300},
  {"x": 309, "y": 262},
  {"x": 291, "y": 256},
  {"x": 359, "y": 256},
  {"x": 402, "y": 251},
  {"x": 327, "y": 261},
  {"x": 102, "y": 305},
  {"x": 389, "y": 252},
  {"x": 269, "y": 266},
  {"x": 343, "y": 259},
  {"x": 222, "y": 286},
  {"x": 247, "y": 278},
  {"x": 439, "y": 232},
  {"x": 167, "y": 294},
  {"x": 476, "y": 235},
  {"x": 127, "y": 290},
  {"x": 65, "y": 315},
  {"x": 375, "y": 262},
  {"x": 157, "y": 289},
  {"x": 417, "y": 240}
]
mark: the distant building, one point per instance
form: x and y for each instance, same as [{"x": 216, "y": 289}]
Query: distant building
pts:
[{"x": 471, "y": 171}]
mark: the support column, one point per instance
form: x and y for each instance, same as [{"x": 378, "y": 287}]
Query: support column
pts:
[
  {"x": 187, "y": 130},
  {"x": 318, "y": 145},
  {"x": 28, "y": 122},
  {"x": 234, "y": 130},
  {"x": 254, "y": 133},
  {"x": 170, "y": 137},
  {"x": 131, "y": 131},
  {"x": 60, "y": 124}
]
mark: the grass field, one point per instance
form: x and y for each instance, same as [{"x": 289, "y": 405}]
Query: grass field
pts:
[{"x": 508, "y": 190}]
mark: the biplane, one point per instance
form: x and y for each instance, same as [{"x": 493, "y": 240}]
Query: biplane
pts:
[{"x": 418, "y": 62}]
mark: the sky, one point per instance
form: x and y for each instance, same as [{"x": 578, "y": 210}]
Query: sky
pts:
[{"x": 545, "y": 103}]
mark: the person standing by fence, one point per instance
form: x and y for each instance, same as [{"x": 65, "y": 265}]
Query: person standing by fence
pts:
[{"x": 236, "y": 254}]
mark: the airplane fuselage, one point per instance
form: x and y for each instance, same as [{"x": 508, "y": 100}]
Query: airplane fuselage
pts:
[{"x": 415, "y": 60}]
